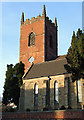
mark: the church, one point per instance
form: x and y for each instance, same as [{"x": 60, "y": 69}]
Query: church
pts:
[{"x": 46, "y": 83}]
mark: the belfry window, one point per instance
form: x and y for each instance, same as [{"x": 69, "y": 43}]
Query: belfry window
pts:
[
  {"x": 79, "y": 94},
  {"x": 36, "y": 95},
  {"x": 31, "y": 39},
  {"x": 56, "y": 100}
]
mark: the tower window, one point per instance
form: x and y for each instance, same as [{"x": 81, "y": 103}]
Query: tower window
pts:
[
  {"x": 36, "y": 95},
  {"x": 56, "y": 93},
  {"x": 51, "y": 41},
  {"x": 31, "y": 39}
]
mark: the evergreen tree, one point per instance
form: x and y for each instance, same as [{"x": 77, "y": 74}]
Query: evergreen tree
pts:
[
  {"x": 13, "y": 82},
  {"x": 9, "y": 74},
  {"x": 75, "y": 56},
  {"x": 19, "y": 72}
]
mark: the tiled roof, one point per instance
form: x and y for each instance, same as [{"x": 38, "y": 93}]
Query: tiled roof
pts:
[{"x": 54, "y": 67}]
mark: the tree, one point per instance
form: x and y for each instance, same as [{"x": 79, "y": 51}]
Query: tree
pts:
[
  {"x": 13, "y": 82},
  {"x": 75, "y": 56},
  {"x": 19, "y": 72}
]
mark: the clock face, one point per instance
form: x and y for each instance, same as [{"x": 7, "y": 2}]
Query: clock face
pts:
[{"x": 31, "y": 59}]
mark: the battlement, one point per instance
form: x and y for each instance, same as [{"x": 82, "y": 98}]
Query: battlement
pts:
[
  {"x": 33, "y": 19},
  {"x": 47, "y": 18},
  {"x": 39, "y": 17}
]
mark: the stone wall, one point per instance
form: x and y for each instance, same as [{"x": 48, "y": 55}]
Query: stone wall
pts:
[
  {"x": 53, "y": 115},
  {"x": 51, "y": 30},
  {"x": 28, "y": 89},
  {"x": 67, "y": 93},
  {"x": 82, "y": 86}
]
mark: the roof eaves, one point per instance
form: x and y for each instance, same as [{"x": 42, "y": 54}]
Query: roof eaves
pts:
[
  {"x": 46, "y": 76},
  {"x": 27, "y": 71}
]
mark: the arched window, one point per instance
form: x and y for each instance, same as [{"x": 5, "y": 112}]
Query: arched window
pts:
[
  {"x": 36, "y": 95},
  {"x": 56, "y": 100},
  {"x": 79, "y": 94},
  {"x": 31, "y": 39}
]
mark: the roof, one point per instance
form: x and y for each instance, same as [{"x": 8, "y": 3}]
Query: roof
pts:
[{"x": 49, "y": 68}]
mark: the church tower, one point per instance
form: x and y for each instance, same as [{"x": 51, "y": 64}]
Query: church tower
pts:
[{"x": 38, "y": 38}]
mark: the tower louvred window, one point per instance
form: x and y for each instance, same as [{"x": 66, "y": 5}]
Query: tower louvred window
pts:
[{"x": 31, "y": 39}]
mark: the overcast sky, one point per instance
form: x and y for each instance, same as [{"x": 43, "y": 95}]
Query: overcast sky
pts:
[{"x": 69, "y": 19}]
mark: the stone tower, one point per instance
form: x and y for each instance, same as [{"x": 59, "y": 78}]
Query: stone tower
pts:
[{"x": 38, "y": 38}]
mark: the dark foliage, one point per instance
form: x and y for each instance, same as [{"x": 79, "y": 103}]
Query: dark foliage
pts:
[
  {"x": 12, "y": 84},
  {"x": 27, "y": 110},
  {"x": 10, "y": 109},
  {"x": 62, "y": 107},
  {"x": 69, "y": 107},
  {"x": 45, "y": 109},
  {"x": 75, "y": 56}
]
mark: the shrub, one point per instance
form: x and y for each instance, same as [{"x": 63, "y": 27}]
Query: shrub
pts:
[
  {"x": 27, "y": 110},
  {"x": 62, "y": 107},
  {"x": 9, "y": 109},
  {"x": 69, "y": 107},
  {"x": 45, "y": 109}
]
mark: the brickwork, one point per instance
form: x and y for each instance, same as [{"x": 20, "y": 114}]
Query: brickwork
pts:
[
  {"x": 37, "y": 51},
  {"x": 53, "y": 115},
  {"x": 51, "y": 30},
  {"x": 42, "y": 28}
]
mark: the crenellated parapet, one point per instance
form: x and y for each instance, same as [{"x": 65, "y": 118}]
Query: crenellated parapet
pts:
[
  {"x": 38, "y": 18},
  {"x": 33, "y": 19},
  {"x": 50, "y": 21}
]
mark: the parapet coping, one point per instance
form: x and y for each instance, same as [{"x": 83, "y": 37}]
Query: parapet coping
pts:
[{"x": 33, "y": 19}]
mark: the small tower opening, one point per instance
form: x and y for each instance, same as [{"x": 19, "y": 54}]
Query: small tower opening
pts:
[{"x": 31, "y": 39}]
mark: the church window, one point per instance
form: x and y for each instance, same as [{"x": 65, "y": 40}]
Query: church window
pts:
[
  {"x": 56, "y": 99},
  {"x": 51, "y": 41},
  {"x": 79, "y": 94},
  {"x": 31, "y": 39},
  {"x": 36, "y": 95}
]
